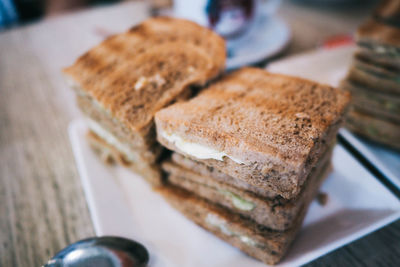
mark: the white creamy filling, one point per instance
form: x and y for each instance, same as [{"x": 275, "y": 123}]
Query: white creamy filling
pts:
[
  {"x": 380, "y": 49},
  {"x": 220, "y": 223},
  {"x": 248, "y": 241},
  {"x": 111, "y": 139},
  {"x": 197, "y": 150}
]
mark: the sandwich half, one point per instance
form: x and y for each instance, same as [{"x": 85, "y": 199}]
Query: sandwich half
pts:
[
  {"x": 275, "y": 213},
  {"x": 125, "y": 80},
  {"x": 268, "y": 130}
]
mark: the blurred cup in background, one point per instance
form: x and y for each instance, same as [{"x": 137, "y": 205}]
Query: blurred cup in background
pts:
[{"x": 227, "y": 17}]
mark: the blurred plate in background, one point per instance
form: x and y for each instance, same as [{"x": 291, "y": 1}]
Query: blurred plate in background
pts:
[{"x": 266, "y": 38}]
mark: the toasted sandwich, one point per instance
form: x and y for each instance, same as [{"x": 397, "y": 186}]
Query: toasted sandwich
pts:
[
  {"x": 124, "y": 81},
  {"x": 266, "y": 129}
]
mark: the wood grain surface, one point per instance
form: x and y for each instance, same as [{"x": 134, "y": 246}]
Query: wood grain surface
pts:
[{"x": 42, "y": 205}]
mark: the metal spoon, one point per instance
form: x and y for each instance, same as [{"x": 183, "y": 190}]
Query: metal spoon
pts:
[{"x": 106, "y": 251}]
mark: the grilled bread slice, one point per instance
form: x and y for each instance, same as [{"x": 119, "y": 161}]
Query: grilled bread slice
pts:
[
  {"x": 125, "y": 80},
  {"x": 208, "y": 171},
  {"x": 266, "y": 129}
]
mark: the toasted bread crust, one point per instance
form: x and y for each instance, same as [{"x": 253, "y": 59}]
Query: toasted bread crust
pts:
[
  {"x": 217, "y": 175},
  {"x": 134, "y": 74},
  {"x": 275, "y": 124}
]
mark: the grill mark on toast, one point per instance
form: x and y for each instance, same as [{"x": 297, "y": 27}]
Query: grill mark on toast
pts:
[{"x": 100, "y": 71}]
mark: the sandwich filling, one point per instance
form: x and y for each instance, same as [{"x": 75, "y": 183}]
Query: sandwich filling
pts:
[
  {"x": 197, "y": 150},
  {"x": 111, "y": 140},
  {"x": 218, "y": 222},
  {"x": 237, "y": 201}
]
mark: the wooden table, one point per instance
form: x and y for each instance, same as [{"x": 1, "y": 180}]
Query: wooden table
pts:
[{"x": 42, "y": 206}]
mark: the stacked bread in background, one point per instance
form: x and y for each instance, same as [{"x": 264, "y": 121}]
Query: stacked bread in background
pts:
[
  {"x": 250, "y": 152},
  {"x": 124, "y": 81},
  {"x": 374, "y": 77},
  {"x": 388, "y": 12}
]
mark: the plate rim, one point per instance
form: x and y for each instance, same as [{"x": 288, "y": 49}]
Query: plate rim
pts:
[
  {"x": 367, "y": 153},
  {"x": 245, "y": 60}
]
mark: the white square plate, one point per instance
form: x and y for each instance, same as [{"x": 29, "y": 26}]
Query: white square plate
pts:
[
  {"x": 330, "y": 66},
  {"x": 123, "y": 204}
]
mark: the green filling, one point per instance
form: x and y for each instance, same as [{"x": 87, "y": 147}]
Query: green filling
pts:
[{"x": 238, "y": 202}]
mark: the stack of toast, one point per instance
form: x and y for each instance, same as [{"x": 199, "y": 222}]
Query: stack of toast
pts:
[
  {"x": 249, "y": 154},
  {"x": 242, "y": 156},
  {"x": 374, "y": 77},
  {"x": 121, "y": 83},
  {"x": 388, "y": 12}
]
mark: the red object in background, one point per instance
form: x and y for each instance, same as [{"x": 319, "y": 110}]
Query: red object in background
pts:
[{"x": 338, "y": 40}]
